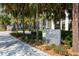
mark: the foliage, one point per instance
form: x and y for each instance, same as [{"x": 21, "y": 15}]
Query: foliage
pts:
[
  {"x": 60, "y": 50},
  {"x": 29, "y": 37},
  {"x": 33, "y": 10},
  {"x": 16, "y": 34},
  {"x": 2, "y": 29},
  {"x": 66, "y": 37},
  {"x": 47, "y": 47}
]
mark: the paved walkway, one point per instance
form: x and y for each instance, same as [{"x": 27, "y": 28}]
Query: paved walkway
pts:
[{"x": 10, "y": 46}]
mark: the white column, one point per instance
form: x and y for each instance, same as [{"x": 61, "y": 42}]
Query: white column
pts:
[
  {"x": 61, "y": 24},
  {"x": 66, "y": 21},
  {"x": 52, "y": 24},
  {"x": 46, "y": 23},
  {"x": 40, "y": 24}
]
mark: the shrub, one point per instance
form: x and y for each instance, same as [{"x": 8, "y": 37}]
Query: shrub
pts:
[
  {"x": 34, "y": 34},
  {"x": 29, "y": 37},
  {"x": 24, "y": 39},
  {"x": 66, "y": 37},
  {"x": 16, "y": 34}
]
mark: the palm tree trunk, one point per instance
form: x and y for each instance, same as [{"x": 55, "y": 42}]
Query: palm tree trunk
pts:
[{"x": 75, "y": 27}]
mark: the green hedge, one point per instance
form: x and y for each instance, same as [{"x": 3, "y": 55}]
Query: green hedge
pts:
[
  {"x": 29, "y": 36},
  {"x": 16, "y": 34},
  {"x": 34, "y": 35},
  {"x": 66, "y": 37}
]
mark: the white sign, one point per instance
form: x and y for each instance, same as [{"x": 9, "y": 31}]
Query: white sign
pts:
[
  {"x": 9, "y": 27},
  {"x": 51, "y": 36}
]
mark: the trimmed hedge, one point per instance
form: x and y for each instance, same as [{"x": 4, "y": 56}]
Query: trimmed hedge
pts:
[
  {"x": 29, "y": 36},
  {"x": 16, "y": 34},
  {"x": 34, "y": 35},
  {"x": 66, "y": 37}
]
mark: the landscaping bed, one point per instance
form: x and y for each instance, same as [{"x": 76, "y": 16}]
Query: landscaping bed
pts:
[
  {"x": 29, "y": 38},
  {"x": 62, "y": 50}
]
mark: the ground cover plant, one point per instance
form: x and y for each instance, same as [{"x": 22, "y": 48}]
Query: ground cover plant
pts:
[{"x": 66, "y": 37}]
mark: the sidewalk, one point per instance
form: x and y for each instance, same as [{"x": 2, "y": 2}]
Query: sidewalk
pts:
[{"x": 10, "y": 46}]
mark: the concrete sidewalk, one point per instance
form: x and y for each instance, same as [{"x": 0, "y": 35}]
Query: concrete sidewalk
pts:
[{"x": 10, "y": 46}]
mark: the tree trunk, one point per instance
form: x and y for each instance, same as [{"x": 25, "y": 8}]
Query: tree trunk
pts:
[
  {"x": 61, "y": 24},
  {"x": 23, "y": 27},
  {"x": 37, "y": 22},
  {"x": 75, "y": 27},
  {"x": 46, "y": 21},
  {"x": 16, "y": 24},
  {"x": 52, "y": 24},
  {"x": 66, "y": 22},
  {"x": 40, "y": 23}
]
